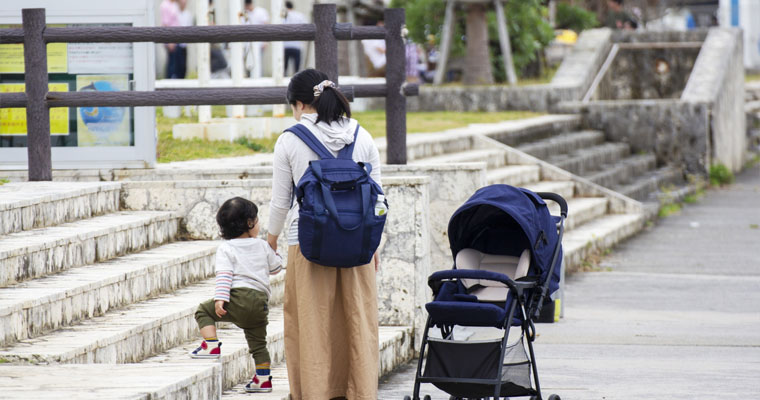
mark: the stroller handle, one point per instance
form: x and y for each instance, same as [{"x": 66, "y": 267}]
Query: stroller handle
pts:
[{"x": 557, "y": 199}]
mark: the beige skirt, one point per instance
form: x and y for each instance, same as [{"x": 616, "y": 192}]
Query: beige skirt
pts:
[{"x": 331, "y": 337}]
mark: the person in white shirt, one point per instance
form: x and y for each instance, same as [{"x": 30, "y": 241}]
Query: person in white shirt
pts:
[
  {"x": 243, "y": 265},
  {"x": 374, "y": 49},
  {"x": 293, "y": 48},
  {"x": 254, "y": 50},
  {"x": 331, "y": 315}
]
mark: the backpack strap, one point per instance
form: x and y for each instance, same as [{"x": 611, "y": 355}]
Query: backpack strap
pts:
[
  {"x": 307, "y": 137},
  {"x": 348, "y": 150}
]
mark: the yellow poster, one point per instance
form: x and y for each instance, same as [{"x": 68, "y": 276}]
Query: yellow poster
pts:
[
  {"x": 12, "y": 56},
  {"x": 13, "y": 120},
  {"x": 103, "y": 126}
]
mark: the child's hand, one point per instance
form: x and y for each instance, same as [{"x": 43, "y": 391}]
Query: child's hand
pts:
[{"x": 219, "y": 308}]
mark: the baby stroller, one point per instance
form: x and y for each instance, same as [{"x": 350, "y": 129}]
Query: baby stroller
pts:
[{"x": 507, "y": 250}]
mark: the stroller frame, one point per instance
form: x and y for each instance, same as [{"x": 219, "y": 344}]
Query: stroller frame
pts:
[{"x": 518, "y": 290}]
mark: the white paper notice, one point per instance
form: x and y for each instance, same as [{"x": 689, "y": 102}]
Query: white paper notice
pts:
[{"x": 98, "y": 58}]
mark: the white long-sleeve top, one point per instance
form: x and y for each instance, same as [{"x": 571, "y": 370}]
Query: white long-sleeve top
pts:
[
  {"x": 244, "y": 263},
  {"x": 292, "y": 156}
]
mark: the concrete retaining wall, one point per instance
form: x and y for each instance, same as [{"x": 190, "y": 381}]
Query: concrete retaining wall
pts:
[{"x": 718, "y": 79}]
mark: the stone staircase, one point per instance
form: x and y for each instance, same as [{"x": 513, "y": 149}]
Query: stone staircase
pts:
[
  {"x": 598, "y": 218},
  {"x": 101, "y": 300},
  {"x": 99, "y": 303},
  {"x": 586, "y": 153}
]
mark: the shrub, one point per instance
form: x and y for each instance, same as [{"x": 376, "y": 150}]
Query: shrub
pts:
[
  {"x": 575, "y": 18},
  {"x": 720, "y": 175}
]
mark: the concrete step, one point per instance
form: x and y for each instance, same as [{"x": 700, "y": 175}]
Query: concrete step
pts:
[
  {"x": 237, "y": 364},
  {"x": 395, "y": 350},
  {"x": 516, "y": 133},
  {"x": 30, "y": 205},
  {"x": 563, "y": 143},
  {"x": 515, "y": 175},
  {"x": 653, "y": 184},
  {"x": 495, "y": 158},
  {"x": 39, "y": 252},
  {"x": 597, "y": 235},
  {"x": 580, "y": 162},
  {"x": 425, "y": 145},
  {"x": 565, "y": 189},
  {"x": 32, "y": 308},
  {"x": 195, "y": 173},
  {"x": 128, "y": 335},
  {"x": 581, "y": 210},
  {"x": 624, "y": 170},
  {"x": 119, "y": 381}
]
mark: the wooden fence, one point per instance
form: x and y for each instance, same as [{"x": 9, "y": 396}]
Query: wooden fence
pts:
[{"x": 325, "y": 32}]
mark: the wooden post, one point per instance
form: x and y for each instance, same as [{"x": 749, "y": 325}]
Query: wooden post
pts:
[
  {"x": 325, "y": 43},
  {"x": 448, "y": 31},
  {"x": 395, "y": 77},
  {"x": 36, "y": 81},
  {"x": 506, "y": 47}
]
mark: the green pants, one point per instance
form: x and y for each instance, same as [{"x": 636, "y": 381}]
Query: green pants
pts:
[{"x": 248, "y": 309}]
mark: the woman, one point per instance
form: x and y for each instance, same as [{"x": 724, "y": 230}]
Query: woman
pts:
[{"x": 331, "y": 338}]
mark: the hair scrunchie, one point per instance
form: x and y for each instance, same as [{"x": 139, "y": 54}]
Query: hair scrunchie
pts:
[{"x": 318, "y": 89}]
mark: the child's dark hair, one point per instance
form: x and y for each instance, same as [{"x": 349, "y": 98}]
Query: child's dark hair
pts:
[
  {"x": 331, "y": 105},
  {"x": 234, "y": 217}
]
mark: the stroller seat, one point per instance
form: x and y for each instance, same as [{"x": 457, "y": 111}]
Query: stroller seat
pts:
[
  {"x": 486, "y": 290},
  {"x": 478, "y": 302}
]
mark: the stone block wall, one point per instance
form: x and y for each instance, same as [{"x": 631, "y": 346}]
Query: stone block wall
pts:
[
  {"x": 676, "y": 132},
  {"x": 571, "y": 81},
  {"x": 404, "y": 249},
  {"x": 405, "y": 254},
  {"x": 451, "y": 186},
  {"x": 648, "y": 73}
]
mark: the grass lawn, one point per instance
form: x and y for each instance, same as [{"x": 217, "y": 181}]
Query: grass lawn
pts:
[
  {"x": 752, "y": 77},
  {"x": 169, "y": 149}
]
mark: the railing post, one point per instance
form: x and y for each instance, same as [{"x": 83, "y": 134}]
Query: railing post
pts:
[
  {"x": 395, "y": 76},
  {"x": 325, "y": 43},
  {"x": 36, "y": 81}
]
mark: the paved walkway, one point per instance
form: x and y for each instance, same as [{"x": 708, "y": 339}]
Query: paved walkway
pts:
[{"x": 673, "y": 313}]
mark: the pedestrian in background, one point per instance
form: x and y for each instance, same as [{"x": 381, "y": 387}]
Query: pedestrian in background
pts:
[
  {"x": 170, "y": 17},
  {"x": 254, "y": 50},
  {"x": 293, "y": 48}
]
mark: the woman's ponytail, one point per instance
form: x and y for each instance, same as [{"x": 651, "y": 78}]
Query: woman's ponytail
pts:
[
  {"x": 312, "y": 87},
  {"x": 331, "y": 105}
]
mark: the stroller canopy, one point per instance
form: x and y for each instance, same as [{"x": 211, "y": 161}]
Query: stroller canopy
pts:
[{"x": 505, "y": 220}]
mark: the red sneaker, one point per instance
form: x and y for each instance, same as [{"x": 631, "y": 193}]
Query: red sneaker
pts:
[
  {"x": 206, "y": 351},
  {"x": 259, "y": 384}
]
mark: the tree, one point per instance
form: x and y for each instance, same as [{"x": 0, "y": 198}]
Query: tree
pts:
[
  {"x": 477, "y": 66},
  {"x": 528, "y": 30}
]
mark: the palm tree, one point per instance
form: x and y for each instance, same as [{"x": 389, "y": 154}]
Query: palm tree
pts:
[{"x": 477, "y": 64}]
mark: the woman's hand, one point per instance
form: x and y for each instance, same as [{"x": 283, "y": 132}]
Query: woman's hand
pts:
[
  {"x": 219, "y": 308},
  {"x": 377, "y": 262},
  {"x": 272, "y": 240}
]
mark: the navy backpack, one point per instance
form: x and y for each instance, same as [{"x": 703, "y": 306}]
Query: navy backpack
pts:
[{"x": 337, "y": 224}]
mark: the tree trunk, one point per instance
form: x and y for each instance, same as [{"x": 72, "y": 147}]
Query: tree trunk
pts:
[{"x": 478, "y": 63}]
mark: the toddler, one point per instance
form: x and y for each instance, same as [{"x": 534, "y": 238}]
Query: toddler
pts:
[{"x": 243, "y": 265}]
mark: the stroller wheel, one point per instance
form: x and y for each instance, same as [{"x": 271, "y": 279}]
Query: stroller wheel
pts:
[
  {"x": 407, "y": 398},
  {"x": 427, "y": 397},
  {"x": 553, "y": 397}
]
